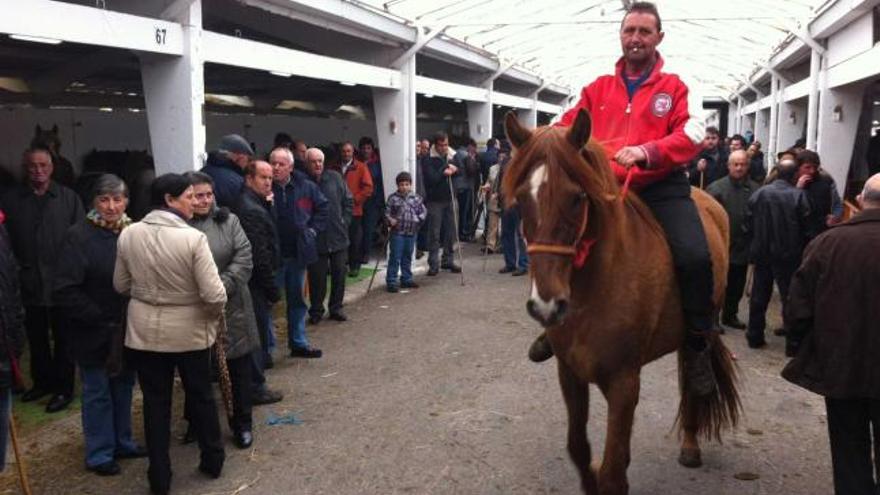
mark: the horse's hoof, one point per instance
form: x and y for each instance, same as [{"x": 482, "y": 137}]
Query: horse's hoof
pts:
[
  {"x": 540, "y": 349},
  {"x": 690, "y": 458}
]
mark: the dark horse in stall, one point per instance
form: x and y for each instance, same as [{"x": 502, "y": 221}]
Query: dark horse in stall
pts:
[
  {"x": 620, "y": 309},
  {"x": 50, "y": 139}
]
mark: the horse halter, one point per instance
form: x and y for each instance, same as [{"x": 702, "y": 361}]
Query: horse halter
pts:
[{"x": 580, "y": 250}]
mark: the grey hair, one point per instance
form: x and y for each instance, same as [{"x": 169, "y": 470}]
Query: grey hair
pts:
[
  {"x": 282, "y": 149},
  {"x": 316, "y": 151},
  {"x": 197, "y": 178},
  {"x": 108, "y": 184},
  {"x": 871, "y": 192}
]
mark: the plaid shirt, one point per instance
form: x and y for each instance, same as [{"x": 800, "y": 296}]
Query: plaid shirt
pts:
[{"x": 409, "y": 212}]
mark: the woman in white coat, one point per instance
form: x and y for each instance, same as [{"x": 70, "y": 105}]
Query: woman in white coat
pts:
[{"x": 177, "y": 298}]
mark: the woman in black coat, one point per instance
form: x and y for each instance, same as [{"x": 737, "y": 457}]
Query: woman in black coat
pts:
[{"x": 83, "y": 289}]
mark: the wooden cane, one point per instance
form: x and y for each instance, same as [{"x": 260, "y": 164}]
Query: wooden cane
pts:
[
  {"x": 19, "y": 458},
  {"x": 702, "y": 179}
]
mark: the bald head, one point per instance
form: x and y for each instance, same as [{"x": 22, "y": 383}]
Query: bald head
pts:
[
  {"x": 315, "y": 162},
  {"x": 870, "y": 197},
  {"x": 738, "y": 164}
]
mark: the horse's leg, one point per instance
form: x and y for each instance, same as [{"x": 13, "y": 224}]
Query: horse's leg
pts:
[
  {"x": 690, "y": 455},
  {"x": 577, "y": 401},
  {"x": 622, "y": 394}
]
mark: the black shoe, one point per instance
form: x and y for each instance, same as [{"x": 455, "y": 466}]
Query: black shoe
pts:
[
  {"x": 432, "y": 272},
  {"x": 453, "y": 268},
  {"x": 698, "y": 375},
  {"x": 244, "y": 439},
  {"x": 392, "y": 289},
  {"x": 266, "y": 396},
  {"x": 419, "y": 254},
  {"x": 268, "y": 362},
  {"x": 58, "y": 402},
  {"x": 109, "y": 468},
  {"x": 507, "y": 269},
  {"x": 733, "y": 323},
  {"x": 212, "y": 471},
  {"x": 306, "y": 352},
  {"x": 540, "y": 349},
  {"x": 354, "y": 273},
  {"x": 190, "y": 435},
  {"x": 139, "y": 452},
  {"x": 315, "y": 319},
  {"x": 780, "y": 332},
  {"x": 519, "y": 272},
  {"x": 338, "y": 316},
  {"x": 409, "y": 285},
  {"x": 34, "y": 394}
]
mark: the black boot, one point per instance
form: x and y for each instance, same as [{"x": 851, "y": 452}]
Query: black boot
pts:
[{"x": 699, "y": 378}]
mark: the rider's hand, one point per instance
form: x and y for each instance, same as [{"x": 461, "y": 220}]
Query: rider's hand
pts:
[
  {"x": 630, "y": 155},
  {"x": 701, "y": 165}
]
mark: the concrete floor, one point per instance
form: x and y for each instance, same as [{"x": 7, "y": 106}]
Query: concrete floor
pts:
[{"x": 429, "y": 392}]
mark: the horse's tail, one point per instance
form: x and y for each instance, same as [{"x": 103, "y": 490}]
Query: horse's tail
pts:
[{"x": 706, "y": 416}]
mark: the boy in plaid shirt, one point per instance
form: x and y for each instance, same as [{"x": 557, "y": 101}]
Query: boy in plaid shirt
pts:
[{"x": 404, "y": 212}]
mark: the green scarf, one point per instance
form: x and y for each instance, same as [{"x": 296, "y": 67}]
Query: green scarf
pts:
[{"x": 116, "y": 227}]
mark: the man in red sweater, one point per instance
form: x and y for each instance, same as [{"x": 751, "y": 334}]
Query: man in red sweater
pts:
[{"x": 640, "y": 116}]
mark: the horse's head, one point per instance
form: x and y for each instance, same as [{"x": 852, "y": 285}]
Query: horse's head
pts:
[
  {"x": 556, "y": 179},
  {"x": 47, "y": 138}
]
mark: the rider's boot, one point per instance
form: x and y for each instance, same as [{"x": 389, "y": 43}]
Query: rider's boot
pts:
[
  {"x": 698, "y": 374},
  {"x": 540, "y": 349}
]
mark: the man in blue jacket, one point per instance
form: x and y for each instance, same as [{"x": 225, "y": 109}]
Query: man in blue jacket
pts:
[
  {"x": 302, "y": 214},
  {"x": 226, "y": 166}
]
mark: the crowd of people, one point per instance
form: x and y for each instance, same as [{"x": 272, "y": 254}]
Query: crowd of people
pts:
[{"x": 190, "y": 287}]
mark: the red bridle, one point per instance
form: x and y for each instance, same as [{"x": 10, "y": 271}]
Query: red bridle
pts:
[{"x": 580, "y": 250}]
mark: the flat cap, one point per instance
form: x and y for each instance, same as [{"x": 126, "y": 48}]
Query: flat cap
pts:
[{"x": 234, "y": 143}]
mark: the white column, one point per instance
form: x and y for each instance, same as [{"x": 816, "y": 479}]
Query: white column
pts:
[
  {"x": 174, "y": 93},
  {"x": 529, "y": 116},
  {"x": 770, "y": 149},
  {"x": 813, "y": 104},
  {"x": 480, "y": 119},
  {"x": 396, "y": 126}
]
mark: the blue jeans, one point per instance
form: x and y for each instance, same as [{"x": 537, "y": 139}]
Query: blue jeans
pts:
[
  {"x": 512, "y": 242},
  {"x": 5, "y": 410},
  {"x": 106, "y": 414},
  {"x": 292, "y": 278},
  {"x": 400, "y": 258}
]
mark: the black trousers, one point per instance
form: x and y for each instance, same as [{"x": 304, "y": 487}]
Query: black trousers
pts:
[
  {"x": 242, "y": 393},
  {"x": 51, "y": 369},
  {"x": 670, "y": 200},
  {"x": 441, "y": 233},
  {"x": 736, "y": 285},
  {"x": 852, "y": 431},
  {"x": 762, "y": 290},
  {"x": 156, "y": 376},
  {"x": 355, "y": 243},
  {"x": 334, "y": 264}
]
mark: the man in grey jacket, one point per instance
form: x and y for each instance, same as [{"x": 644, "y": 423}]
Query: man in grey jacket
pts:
[
  {"x": 39, "y": 213},
  {"x": 332, "y": 243}
]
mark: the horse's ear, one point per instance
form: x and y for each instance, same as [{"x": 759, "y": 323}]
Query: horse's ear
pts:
[
  {"x": 579, "y": 133},
  {"x": 516, "y": 133}
]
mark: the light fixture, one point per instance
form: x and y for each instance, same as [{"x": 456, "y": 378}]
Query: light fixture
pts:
[
  {"x": 105, "y": 109},
  {"x": 837, "y": 114},
  {"x": 429, "y": 96},
  {"x": 279, "y": 73},
  {"x": 347, "y": 83},
  {"x": 35, "y": 39},
  {"x": 457, "y": 100}
]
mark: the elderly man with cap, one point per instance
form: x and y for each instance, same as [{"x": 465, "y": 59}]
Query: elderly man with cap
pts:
[{"x": 226, "y": 166}]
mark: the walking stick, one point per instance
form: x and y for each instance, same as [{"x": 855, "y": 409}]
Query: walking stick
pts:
[
  {"x": 455, "y": 225},
  {"x": 376, "y": 268},
  {"x": 702, "y": 179},
  {"x": 19, "y": 459},
  {"x": 223, "y": 368}
]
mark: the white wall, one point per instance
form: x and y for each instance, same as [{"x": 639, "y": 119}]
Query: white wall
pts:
[{"x": 852, "y": 40}]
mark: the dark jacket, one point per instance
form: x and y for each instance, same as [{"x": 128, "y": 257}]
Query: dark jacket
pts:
[
  {"x": 436, "y": 184},
  {"x": 757, "y": 172},
  {"x": 11, "y": 311},
  {"x": 468, "y": 170},
  {"x": 37, "y": 226},
  {"x": 832, "y": 312},
  {"x": 716, "y": 167},
  {"x": 776, "y": 222},
  {"x": 822, "y": 193},
  {"x": 302, "y": 214},
  {"x": 377, "y": 199},
  {"x": 339, "y": 207},
  {"x": 257, "y": 217},
  {"x": 734, "y": 197},
  {"x": 228, "y": 179},
  {"x": 84, "y": 291},
  {"x": 232, "y": 255},
  {"x": 487, "y": 159}
]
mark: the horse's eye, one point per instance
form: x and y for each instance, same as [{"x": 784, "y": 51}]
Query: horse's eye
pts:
[{"x": 578, "y": 199}]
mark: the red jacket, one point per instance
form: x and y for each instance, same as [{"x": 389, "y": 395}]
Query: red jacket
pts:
[
  {"x": 360, "y": 183},
  {"x": 657, "y": 119}
]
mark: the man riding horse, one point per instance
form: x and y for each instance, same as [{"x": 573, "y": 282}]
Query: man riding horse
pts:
[{"x": 640, "y": 117}]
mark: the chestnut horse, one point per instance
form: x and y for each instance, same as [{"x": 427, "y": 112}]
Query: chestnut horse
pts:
[{"x": 621, "y": 309}]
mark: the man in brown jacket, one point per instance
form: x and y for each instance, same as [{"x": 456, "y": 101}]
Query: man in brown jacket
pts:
[
  {"x": 832, "y": 316},
  {"x": 360, "y": 183}
]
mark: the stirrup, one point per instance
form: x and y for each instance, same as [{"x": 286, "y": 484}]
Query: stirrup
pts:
[{"x": 540, "y": 349}]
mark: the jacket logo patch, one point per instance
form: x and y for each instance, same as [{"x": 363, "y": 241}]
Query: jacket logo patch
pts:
[{"x": 661, "y": 104}]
